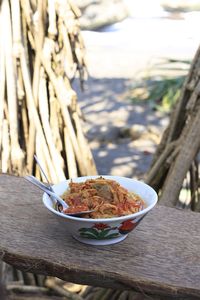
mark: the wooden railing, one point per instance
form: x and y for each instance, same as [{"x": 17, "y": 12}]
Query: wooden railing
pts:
[{"x": 160, "y": 257}]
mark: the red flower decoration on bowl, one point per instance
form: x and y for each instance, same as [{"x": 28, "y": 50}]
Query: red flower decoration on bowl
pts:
[
  {"x": 100, "y": 226},
  {"x": 127, "y": 226}
]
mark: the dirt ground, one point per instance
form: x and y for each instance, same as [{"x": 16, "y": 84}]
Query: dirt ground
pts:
[{"x": 123, "y": 136}]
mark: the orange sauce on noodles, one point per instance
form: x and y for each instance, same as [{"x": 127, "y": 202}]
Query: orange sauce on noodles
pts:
[{"x": 106, "y": 197}]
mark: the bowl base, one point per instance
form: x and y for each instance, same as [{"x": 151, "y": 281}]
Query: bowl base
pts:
[{"x": 100, "y": 242}]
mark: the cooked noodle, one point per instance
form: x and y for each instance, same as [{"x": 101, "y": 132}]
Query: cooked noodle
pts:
[{"x": 106, "y": 197}]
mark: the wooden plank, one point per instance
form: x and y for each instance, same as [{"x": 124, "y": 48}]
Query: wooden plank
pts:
[{"x": 160, "y": 257}]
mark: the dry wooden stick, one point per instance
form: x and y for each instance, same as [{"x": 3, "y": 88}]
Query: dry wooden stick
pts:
[
  {"x": 52, "y": 29},
  {"x": 75, "y": 9},
  {"x": 194, "y": 178},
  {"x": 72, "y": 26},
  {"x": 38, "y": 39},
  {"x": 27, "y": 22},
  {"x": 180, "y": 112},
  {"x": 41, "y": 156},
  {"x": 16, "y": 26},
  {"x": 50, "y": 283},
  {"x": 71, "y": 161},
  {"x": 72, "y": 135},
  {"x": 86, "y": 152},
  {"x": 25, "y": 125},
  {"x": 2, "y": 81},
  {"x": 179, "y": 130},
  {"x": 3, "y": 275},
  {"x": 17, "y": 155},
  {"x": 176, "y": 122},
  {"x": 55, "y": 119},
  {"x": 28, "y": 29},
  {"x": 24, "y": 36},
  {"x": 28, "y": 13},
  {"x": 6, "y": 149},
  {"x": 154, "y": 175},
  {"x": 44, "y": 113},
  {"x": 15, "y": 288},
  {"x": 193, "y": 98},
  {"x": 27, "y": 42},
  {"x": 27, "y": 296},
  {"x": 189, "y": 147},
  {"x": 69, "y": 63},
  {"x": 65, "y": 113},
  {"x": 61, "y": 92},
  {"x": 33, "y": 114}
]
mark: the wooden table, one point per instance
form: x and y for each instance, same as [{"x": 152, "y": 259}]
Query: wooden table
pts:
[{"x": 160, "y": 257}]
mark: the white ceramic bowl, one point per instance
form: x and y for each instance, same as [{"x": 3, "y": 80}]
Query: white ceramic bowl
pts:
[{"x": 103, "y": 231}]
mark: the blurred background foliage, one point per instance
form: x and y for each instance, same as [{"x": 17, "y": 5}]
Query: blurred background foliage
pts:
[{"x": 161, "y": 83}]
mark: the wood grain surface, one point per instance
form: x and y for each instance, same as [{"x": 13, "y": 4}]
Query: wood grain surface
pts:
[{"x": 161, "y": 256}]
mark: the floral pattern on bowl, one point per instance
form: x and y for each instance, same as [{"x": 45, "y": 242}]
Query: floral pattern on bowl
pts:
[
  {"x": 103, "y": 231},
  {"x": 99, "y": 231}
]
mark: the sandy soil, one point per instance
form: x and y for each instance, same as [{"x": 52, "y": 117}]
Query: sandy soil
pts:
[{"x": 123, "y": 136}]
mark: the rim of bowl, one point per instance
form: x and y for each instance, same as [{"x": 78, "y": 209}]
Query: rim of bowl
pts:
[{"x": 148, "y": 208}]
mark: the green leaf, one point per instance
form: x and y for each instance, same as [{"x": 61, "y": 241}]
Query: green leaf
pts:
[
  {"x": 112, "y": 235},
  {"x": 104, "y": 232},
  {"x": 89, "y": 236},
  {"x": 91, "y": 230}
]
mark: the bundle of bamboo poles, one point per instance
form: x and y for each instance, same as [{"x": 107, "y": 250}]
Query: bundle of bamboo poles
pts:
[{"x": 41, "y": 51}]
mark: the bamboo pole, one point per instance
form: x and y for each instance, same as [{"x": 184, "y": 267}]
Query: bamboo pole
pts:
[
  {"x": 2, "y": 82},
  {"x": 3, "y": 275},
  {"x": 69, "y": 61},
  {"x": 17, "y": 155},
  {"x": 16, "y": 26},
  {"x": 56, "y": 123},
  {"x": 38, "y": 39},
  {"x": 39, "y": 108},
  {"x": 52, "y": 29},
  {"x": 64, "y": 101},
  {"x": 6, "y": 149},
  {"x": 70, "y": 157},
  {"x": 28, "y": 13},
  {"x": 33, "y": 114},
  {"x": 44, "y": 113},
  {"x": 86, "y": 152}
]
